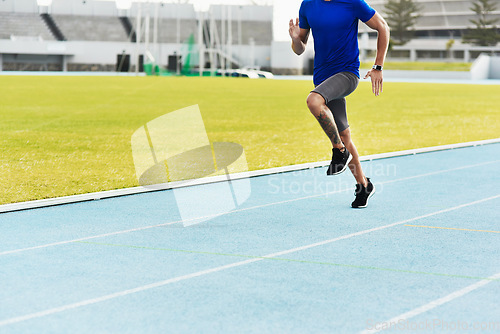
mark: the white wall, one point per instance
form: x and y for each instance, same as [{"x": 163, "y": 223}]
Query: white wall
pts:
[
  {"x": 494, "y": 68},
  {"x": 245, "y": 13},
  {"x": 33, "y": 47},
  {"x": 78, "y": 7},
  {"x": 22, "y": 6},
  {"x": 106, "y": 52},
  {"x": 480, "y": 69},
  {"x": 168, "y": 11}
]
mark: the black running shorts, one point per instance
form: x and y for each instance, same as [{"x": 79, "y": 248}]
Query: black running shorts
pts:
[{"x": 334, "y": 90}]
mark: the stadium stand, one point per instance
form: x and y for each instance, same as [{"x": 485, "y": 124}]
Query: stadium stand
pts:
[
  {"x": 78, "y": 35},
  {"x": 93, "y": 33},
  {"x": 439, "y": 18},
  {"x": 52, "y": 25},
  {"x": 260, "y": 32},
  {"x": 24, "y": 26},
  {"x": 129, "y": 29},
  {"x": 91, "y": 28},
  {"x": 167, "y": 29}
]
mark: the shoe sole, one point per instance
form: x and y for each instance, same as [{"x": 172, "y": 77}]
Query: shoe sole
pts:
[
  {"x": 343, "y": 169},
  {"x": 364, "y": 206}
]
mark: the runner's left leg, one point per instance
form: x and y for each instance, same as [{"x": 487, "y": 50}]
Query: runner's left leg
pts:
[{"x": 355, "y": 164}]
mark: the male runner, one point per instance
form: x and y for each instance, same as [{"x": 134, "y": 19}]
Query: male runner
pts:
[{"x": 334, "y": 24}]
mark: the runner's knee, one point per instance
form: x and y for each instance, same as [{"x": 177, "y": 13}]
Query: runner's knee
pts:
[
  {"x": 315, "y": 102},
  {"x": 345, "y": 136}
]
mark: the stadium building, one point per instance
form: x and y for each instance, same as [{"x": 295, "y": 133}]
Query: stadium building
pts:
[
  {"x": 90, "y": 35},
  {"x": 438, "y": 32}
]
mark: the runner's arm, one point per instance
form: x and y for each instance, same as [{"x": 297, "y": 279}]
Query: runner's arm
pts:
[
  {"x": 378, "y": 23},
  {"x": 299, "y": 37}
]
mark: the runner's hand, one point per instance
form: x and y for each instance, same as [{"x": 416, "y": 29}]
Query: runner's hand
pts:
[
  {"x": 294, "y": 29},
  {"x": 377, "y": 81}
]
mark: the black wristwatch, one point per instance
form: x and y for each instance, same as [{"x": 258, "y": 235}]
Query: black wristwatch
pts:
[{"x": 377, "y": 67}]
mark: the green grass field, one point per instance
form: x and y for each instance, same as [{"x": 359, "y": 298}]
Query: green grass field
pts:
[{"x": 71, "y": 135}]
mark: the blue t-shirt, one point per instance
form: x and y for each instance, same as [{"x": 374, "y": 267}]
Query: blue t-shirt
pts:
[{"x": 334, "y": 26}]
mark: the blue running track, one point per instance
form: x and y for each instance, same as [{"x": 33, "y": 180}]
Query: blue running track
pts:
[{"x": 294, "y": 258}]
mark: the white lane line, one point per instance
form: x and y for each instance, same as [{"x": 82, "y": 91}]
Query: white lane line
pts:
[
  {"x": 429, "y": 306},
  {"x": 440, "y": 172},
  {"x": 234, "y": 211},
  {"x": 224, "y": 267},
  {"x": 161, "y": 225},
  {"x": 121, "y": 293},
  {"x": 384, "y": 227},
  {"x": 59, "y": 243}
]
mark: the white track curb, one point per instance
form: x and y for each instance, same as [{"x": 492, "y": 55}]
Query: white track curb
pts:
[{"x": 172, "y": 185}]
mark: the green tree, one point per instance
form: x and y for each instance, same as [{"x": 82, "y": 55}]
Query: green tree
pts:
[
  {"x": 485, "y": 33},
  {"x": 401, "y": 15}
]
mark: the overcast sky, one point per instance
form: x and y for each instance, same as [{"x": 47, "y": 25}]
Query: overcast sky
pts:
[{"x": 284, "y": 10}]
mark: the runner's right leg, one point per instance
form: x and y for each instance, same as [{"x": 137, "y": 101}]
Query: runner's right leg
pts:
[{"x": 340, "y": 155}]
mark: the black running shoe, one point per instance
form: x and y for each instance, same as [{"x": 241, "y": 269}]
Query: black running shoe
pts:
[
  {"x": 363, "y": 194},
  {"x": 339, "y": 163}
]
